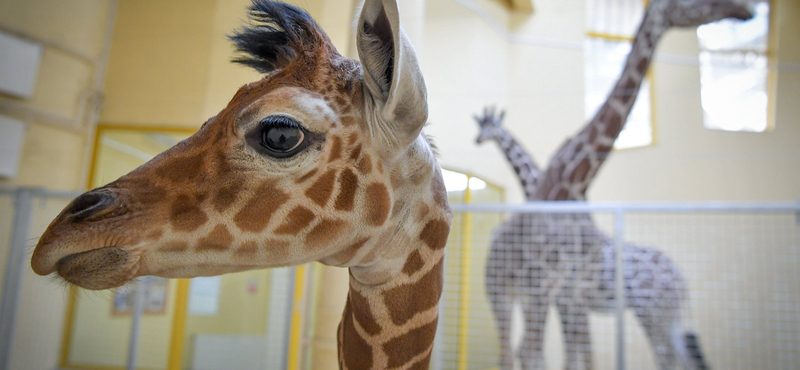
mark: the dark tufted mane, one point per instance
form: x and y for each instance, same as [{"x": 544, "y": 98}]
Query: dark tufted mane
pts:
[{"x": 278, "y": 32}]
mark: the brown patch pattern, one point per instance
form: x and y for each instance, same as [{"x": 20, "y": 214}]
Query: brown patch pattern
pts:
[
  {"x": 355, "y": 153},
  {"x": 422, "y": 211},
  {"x": 439, "y": 192},
  {"x": 642, "y": 66},
  {"x": 348, "y": 121},
  {"x": 147, "y": 191},
  {"x": 336, "y": 149},
  {"x": 434, "y": 234},
  {"x": 422, "y": 364},
  {"x": 352, "y": 138},
  {"x": 348, "y": 184},
  {"x": 405, "y": 301},
  {"x": 307, "y": 176},
  {"x": 182, "y": 169},
  {"x": 410, "y": 344},
  {"x": 613, "y": 123},
  {"x": 175, "y": 246},
  {"x": 325, "y": 232},
  {"x": 255, "y": 215},
  {"x": 218, "y": 239},
  {"x": 579, "y": 173},
  {"x": 226, "y": 197},
  {"x": 378, "y": 204},
  {"x": 363, "y": 314},
  {"x": 365, "y": 165},
  {"x": 296, "y": 221},
  {"x": 155, "y": 234},
  {"x": 357, "y": 354},
  {"x": 186, "y": 215},
  {"x": 413, "y": 263},
  {"x": 396, "y": 179},
  {"x": 322, "y": 189},
  {"x": 248, "y": 248}
]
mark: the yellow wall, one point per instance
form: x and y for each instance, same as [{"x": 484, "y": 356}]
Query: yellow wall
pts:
[
  {"x": 55, "y": 145},
  {"x": 169, "y": 65},
  {"x": 240, "y": 312},
  {"x": 170, "y": 61},
  {"x": 159, "y": 64},
  {"x": 101, "y": 339},
  {"x": 73, "y": 34}
]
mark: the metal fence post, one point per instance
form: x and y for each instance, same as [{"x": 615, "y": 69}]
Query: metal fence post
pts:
[
  {"x": 139, "y": 294},
  {"x": 23, "y": 205},
  {"x": 619, "y": 292}
]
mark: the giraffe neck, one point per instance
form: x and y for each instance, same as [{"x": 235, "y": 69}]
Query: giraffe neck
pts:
[
  {"x": 575, "y": 165},
  {"x": 626, "y": 89},
  {"x": 526, "y": 169},
  {"x": 392, "y": 325}
]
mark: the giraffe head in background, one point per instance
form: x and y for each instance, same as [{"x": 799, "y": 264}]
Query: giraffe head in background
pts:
[
  {"x": 693, "y": 13},
  {"x": 321, "y": 160},
  {"x": 489, "y": 124}
]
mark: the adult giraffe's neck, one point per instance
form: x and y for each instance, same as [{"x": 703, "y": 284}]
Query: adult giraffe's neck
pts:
[
  {"x": 393, "y": 325},
  {"x": 526, "y": 169},
  {"x": 576, "y": 163}
]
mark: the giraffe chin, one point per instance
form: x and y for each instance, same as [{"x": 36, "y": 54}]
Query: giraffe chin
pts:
[{"x": 99, "y": 269}]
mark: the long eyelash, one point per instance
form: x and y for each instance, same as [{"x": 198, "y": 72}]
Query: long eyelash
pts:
[{"x": 281, "y": 121}]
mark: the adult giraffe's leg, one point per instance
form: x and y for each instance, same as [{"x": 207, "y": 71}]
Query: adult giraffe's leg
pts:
[
  {"x": 532, "y": 347},
  {"x": 659, "y": 324},
  {"x": 575, "y": 325},
  {"x": 502, "y": 305}
]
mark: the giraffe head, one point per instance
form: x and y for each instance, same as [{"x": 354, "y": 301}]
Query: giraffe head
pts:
[
  {"x": 321, "y": 160},
  {"x": 693, "y": 13},
  {"x": 489, "y": 125}
]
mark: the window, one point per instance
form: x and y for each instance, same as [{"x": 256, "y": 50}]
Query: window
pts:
[
  {"x": 466, "y": 188},
  {"x": 734, "y": 72},
  {"x": 611, "y": 26}
]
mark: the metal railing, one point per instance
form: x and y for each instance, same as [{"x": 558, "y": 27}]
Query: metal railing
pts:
[
  {"x": 616, "y": 229},
  {"x": 617, "y": 219}
]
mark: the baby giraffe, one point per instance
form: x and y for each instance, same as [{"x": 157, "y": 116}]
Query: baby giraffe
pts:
[{"x": 323, "y": 159}]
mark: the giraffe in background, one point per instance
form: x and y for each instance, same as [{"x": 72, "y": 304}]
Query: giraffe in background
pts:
[
  {"x": 323, "y": 159},
  {"x": 564, "y": 259}
]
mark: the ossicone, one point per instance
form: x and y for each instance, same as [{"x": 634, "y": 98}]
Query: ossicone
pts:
[{"x": 277, "y": 34}]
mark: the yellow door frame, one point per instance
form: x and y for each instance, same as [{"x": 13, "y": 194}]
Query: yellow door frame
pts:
[{"x": 175, "y": 356}]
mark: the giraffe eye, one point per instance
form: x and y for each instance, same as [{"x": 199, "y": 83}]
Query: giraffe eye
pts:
[{"x": 282, "y": 136}]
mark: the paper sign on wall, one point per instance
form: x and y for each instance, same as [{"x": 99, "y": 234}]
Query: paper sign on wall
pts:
[{"x": 204, "y": 296}]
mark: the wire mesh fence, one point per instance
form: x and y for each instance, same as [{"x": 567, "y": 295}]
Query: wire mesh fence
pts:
[
  {"x": 705, "y": 286},
  {"x": 717, "y": 281}
]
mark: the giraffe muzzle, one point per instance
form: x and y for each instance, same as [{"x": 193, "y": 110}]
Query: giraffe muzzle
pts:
[{"x": 97, "y": 269}]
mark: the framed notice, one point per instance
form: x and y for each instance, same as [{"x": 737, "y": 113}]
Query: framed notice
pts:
[{"x": 155, "y": 297}]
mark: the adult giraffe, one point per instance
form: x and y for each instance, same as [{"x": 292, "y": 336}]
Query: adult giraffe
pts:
[
  {"x": 321, "y": 160},
  {"x": 539, "y": 259}
]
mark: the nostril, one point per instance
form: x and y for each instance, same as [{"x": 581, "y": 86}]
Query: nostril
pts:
[{"x": 89, "y": 204}]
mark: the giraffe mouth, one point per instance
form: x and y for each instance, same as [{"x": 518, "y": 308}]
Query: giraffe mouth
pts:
[{"x": 97, "y": 269}]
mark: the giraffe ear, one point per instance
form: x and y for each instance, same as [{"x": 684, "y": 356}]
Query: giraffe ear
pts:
[{"x": 395, "y": 95}]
